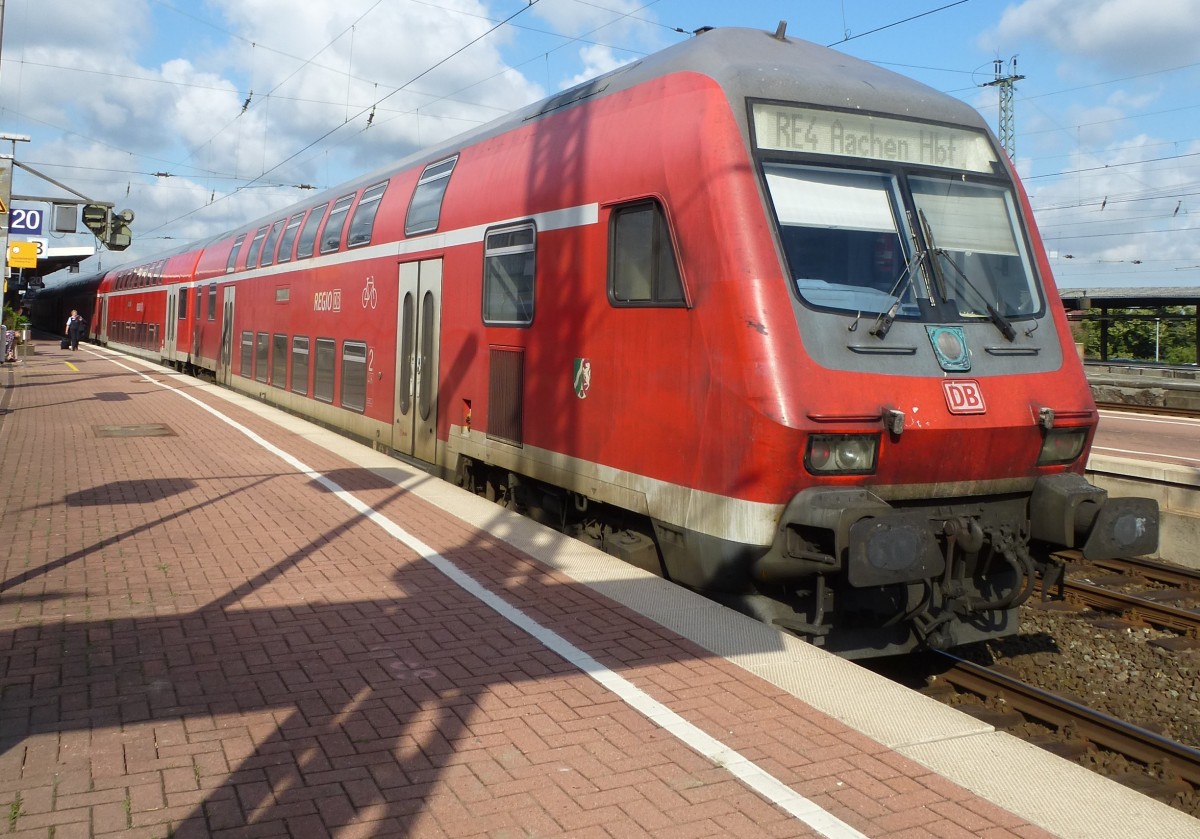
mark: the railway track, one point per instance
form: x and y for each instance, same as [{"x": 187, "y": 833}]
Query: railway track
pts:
[
  {"x": 1170, "y": 769},
  {"x": 1158, "y": 607}
]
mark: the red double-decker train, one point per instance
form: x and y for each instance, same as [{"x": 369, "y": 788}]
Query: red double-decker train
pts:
[{"x": 761, "y": 318}]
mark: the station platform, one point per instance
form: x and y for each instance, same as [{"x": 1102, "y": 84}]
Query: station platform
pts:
[{"x": 219, "y": 620}]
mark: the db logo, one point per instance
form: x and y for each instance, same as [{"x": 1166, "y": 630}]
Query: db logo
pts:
[{"x": 963, "y": 396}]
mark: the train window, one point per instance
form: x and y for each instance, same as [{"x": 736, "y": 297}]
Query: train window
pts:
[
  {"x": 509, "y": 260},
  {"x": 300, "y": 365},
  {"x": 323, "y": 369},
  {"x": 642, "y": 266},
  {"x": 262, "y": 348},
  {"x": 973, "y": 229},
  {"x": 289, "y": 238},
  {"x": 363, "y": 220},
  {"x": 247, "y": 354},
  {"x": 354, "y": 375},
  {"x": 255, "y": 248},
  {"x": 425, "y": 208},
  {"x": 279, "y": 359},
  {"x": 183, "y": 299},
  {"x": 268, "y": 251},
  {"x": 842, "y": 237},
  {"x": 212, "y": 301},
  {"x": 233, "y": 253},
  {"x": 308, "y": 235},
  {"x": 331, "y": 237},
  {"x": 199, "y": 298}
]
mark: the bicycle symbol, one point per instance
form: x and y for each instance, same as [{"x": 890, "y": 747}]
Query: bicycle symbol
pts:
[{"x": 370, "y": 296}]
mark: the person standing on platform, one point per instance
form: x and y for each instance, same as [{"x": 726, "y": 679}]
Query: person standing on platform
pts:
[{"x": 76, "y": 328}]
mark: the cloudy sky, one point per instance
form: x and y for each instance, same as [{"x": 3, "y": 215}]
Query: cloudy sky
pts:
[{"x": 199, "y": 115}]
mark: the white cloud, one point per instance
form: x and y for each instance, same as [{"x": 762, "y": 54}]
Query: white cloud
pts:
[
  {"x": 1120, "y": 211},
  {"x": 1122, "y": 35},
  {"x": 597, "y": 60},
  {"x": 158, "y": 89}
]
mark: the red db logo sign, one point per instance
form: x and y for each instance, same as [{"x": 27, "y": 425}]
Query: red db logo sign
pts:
[{"x": 963, "y": 396}]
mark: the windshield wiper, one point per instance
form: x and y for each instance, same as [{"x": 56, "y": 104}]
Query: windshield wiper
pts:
[
  {"x": 904, "y": 283},
  {"x": 939, "y": 279},
  {"x": 1002, "y": 323}
]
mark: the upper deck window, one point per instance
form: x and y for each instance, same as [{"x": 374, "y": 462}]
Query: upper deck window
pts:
[
  {"x": 331, "y": 238},
  {"x": 289, "y": 238},
  {"x": 308, "y": 235},
  {"x": 425, "y": 209},
  {"x": 846, "y": 134},
  {"x": 363, "y": 220},
  {"x": 255, "y": 248},
  {"x": 233, "y": 253},
  {"x": 642, "y": 266},
  {"x": 268, "y": 251}
]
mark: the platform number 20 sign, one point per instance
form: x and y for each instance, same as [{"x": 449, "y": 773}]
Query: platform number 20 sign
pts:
[{"x": 25, "y": 222}]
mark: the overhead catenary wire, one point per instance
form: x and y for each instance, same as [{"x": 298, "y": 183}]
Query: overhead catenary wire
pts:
[{"x": 362, "y": 112}]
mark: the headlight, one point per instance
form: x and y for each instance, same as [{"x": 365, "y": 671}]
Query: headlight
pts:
[
  {"x": 841, "y": 454},
  {"x": 1062, "y": 445}
]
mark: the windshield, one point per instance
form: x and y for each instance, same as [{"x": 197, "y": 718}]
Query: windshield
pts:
[
  {"x": 981, "y": 257},
  {"x": 844, "y": 238}
]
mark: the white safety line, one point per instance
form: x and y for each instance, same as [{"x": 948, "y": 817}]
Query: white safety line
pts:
[
  {"x": 1159, "y": 419},
  {"x": 745, "y": 770},
  {"x": 1171, "y": 457}
]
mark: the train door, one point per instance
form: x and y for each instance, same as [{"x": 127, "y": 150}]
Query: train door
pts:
[
  {"x": 169, "y": 338},
  {"x": 102, "y": 326},
  {"x": 225, "y": 360},
  {"x": 418, "y": 331}
]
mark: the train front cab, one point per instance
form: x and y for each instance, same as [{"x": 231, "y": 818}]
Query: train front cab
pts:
[{"x": 944, "y": 459}]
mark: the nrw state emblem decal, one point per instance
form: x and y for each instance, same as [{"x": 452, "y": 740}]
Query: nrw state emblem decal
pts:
[{"x": 583, "y": 377}]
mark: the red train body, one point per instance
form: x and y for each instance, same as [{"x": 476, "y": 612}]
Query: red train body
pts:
[{"x": 753, "y": 315}]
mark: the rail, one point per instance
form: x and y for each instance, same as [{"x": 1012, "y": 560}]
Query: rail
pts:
[{"x": 1099, "y": 729}]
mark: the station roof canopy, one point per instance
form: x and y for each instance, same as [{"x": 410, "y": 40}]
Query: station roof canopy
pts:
[
  {"x": 1151, "y": 297},
  {"x": 52, "y": 260}
]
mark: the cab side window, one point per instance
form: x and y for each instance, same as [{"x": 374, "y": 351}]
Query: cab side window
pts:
[{"x": 642, "y": 267}]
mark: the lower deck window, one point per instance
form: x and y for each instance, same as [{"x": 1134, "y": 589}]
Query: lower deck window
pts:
[
  {"x": 300, "y": 365},
  {"x": 354, "y": 375},
  {"x": 247, "y": 354},
  {"x": 279, "y": 358},
  {"x": 509, "y": 263},
  {"x": 323, "y": 369},
  {"x": 261, "y": 353}
]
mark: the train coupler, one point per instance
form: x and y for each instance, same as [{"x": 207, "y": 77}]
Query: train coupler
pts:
[{"x": 1066, "y": 510}]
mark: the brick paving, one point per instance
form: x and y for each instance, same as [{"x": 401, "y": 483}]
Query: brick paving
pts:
[{"x": 198, "y": 640}]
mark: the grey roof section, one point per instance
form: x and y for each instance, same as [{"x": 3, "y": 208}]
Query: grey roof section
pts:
[
  {"x": 745, "y": 62},
  {"x": 1148, "y": 297}
]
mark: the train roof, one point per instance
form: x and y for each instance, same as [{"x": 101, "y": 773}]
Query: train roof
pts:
[{"x": 746, "y": 63}]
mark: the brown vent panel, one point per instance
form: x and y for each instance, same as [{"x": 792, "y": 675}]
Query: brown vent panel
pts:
[{"x": 506, "y": 386}]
